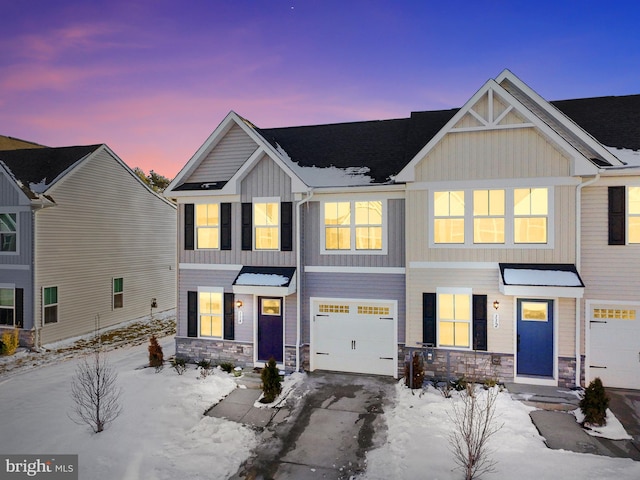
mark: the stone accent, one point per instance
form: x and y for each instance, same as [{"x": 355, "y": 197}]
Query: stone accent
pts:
[
  {"x": 217, "y": 351},
  {"x": 26, "y": 336},
  {"x": 567, "y": 372}
]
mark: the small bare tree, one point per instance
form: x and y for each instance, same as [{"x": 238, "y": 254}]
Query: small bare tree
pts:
[
  {"x": 95, "y": 393},
  {"x": 474, "y": 422}
]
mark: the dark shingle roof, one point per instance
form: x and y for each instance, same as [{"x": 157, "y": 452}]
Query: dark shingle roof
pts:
[{"x": 34, "y": 165}]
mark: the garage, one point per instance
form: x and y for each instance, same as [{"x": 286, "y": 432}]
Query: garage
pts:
[
  {"x": 614, "y": 341},
  {"x": 358, "y": 336}
]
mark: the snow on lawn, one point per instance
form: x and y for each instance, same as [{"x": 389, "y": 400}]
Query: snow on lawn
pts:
[
  {"x": 417, "y": 445},
  {"x": 161, "y": 433}
]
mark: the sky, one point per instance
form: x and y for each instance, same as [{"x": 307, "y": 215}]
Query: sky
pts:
[{"x": 153, "y": 78}]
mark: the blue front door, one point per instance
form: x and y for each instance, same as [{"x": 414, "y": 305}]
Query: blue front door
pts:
[
  {"x": 270, "y": 329},
  {"x": 535, "y": 337}
]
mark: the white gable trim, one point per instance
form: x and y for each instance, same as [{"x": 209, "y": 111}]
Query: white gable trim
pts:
[
  {"x": 581, "y": 165},
  {"x": 232, "y": 186}
]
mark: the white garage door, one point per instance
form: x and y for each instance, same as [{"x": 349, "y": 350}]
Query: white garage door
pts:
[
  {"x": 354, "y": 336},
  {"x": 615, "y": 345}
]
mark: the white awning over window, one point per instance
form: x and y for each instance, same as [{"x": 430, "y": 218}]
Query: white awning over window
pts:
[{"x": 544, "y": 280}]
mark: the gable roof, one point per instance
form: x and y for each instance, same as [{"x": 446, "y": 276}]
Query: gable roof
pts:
[
  {"x": 11, "y": 143},
  {"x": 36, "y": 169}
]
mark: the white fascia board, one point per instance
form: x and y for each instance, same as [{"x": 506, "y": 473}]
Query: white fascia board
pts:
[
  {"x": 379, "y": 191},
  {"x": 206, "y": 197},
  {"x": 558, "y": 115},
  {"x": 264, "y": 290},
  {"x": 539, "y": 291},
  {"x": 495, "y": 183}
]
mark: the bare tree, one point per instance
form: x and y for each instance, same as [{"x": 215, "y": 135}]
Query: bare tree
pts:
[
  {"x": 473, "y": 417},
  {"x": 95, "y": 393}
]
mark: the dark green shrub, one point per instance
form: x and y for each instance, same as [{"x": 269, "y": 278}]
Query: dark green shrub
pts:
[
  {"x": 415, "y": 378},
  {"x": 179, "y": 365},
  {"x": 156, "y": 357},
  {"x": 205, "y": 367},
  {"x": 270, "y": 377},
  {"x": 226, "y": 366},
  {"x": 460, "y": 384},
  {"x": 594, "y": 404}
]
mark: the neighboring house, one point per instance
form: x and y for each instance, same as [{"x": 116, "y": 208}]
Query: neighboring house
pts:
[
  {"x": 11, "y": 143},
  {"x": 339, "y": 246},
  {"x": 84, "y": 244}
]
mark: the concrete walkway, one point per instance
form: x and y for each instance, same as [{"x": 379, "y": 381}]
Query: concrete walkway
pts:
[
  {"x": 560, "y": 429},
  {"x": 322, "y": 432}
]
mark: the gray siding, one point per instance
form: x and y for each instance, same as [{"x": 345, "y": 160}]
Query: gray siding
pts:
[
  {"x": 105, "y": 224},
  {"x": 266, "y": 179},
  {"x": 25, "y": 238},
  {"x": 9, "y": 195},
  {"x": 314, "y": 236},
  {"x": 21, "y": 279},
  {"x": 354, "y": 285},
  {"x": 225, "y": 158}
]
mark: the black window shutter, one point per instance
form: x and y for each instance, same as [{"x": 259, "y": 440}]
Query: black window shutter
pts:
[
  {"x": 229, "y": 316},
  {"x": 429, "y": 318},
  {"x": 189, "y": 226},
  {"x": 247, "y": 226},
  {"x": 617, "y": 214},
  {"x": 192, "y": 314},
  {"x": 286, "y": 227},
  {"x": 480, "y": 322},
  {"x": 225, "y": 226},
  {"x": 19, "y": 320}
]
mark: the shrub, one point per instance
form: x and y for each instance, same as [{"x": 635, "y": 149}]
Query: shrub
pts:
[
  {"x": 416, "y": 378},
  {"x": 460, "y": 384},
  {"x": 226, "y": 366},
  {"x": 10, "y": 341},
  {"x": 156, "y": 357},
  {"x": 205, "y": 367},
  {"x": 270, "y": 377},
  {"x": 179, "y": 365},
  {"x": 594, "y": 404}
]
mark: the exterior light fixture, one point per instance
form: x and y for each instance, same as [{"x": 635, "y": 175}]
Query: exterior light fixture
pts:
[
  {"x": 496, "y": 304},
  {"x": 239, "y": 303}
]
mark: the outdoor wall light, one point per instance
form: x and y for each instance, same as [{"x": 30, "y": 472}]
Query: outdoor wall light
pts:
[
  {"x": 239, "y": 303},
  {"x": 154, "y": 303},
  {"x": 496, "y": 304}
]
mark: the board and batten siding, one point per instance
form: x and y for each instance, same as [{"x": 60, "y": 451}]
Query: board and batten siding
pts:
[
  {"x": 226, "y": 157},
  {"x": 105, "y": 225},
  {"x": 10, "y": 194},
  {"x": 492, "y": 154},
  {"x": 610, "y": 272},
  {"x": 266, "y": 179},
  {"x": 563, "y": 251},
  {"x": 354, "y": 286},
  {"x": 314, "y": 238}
]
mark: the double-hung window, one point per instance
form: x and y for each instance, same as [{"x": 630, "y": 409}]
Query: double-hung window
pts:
[
  {"x": 8, "y": 232},
  {"x": 266, "y": 222},
  {"x": 118, "y": 292},
  {"x": 488, "y": 216},
  {"x": 208, "y": 225},
  {"x": 454, "y": 319},
  {"x": 530, "y": 210},
  {"x": 354, "y": 226},
  {"x": 633, "y": 215},
  {"x": 211, "y": 312},
  {"x": 50, "y": 305},
  {"x": 7, "y": 306},
  {"x": 448, "y": 212}
]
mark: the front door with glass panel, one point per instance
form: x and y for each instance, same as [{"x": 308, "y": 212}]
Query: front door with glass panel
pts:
[
  {"x": 535, "y": 337},
  {"x": 270, "y": 329}
]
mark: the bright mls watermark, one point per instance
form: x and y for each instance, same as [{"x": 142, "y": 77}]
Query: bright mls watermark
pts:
[{"x": 51, "y": 467}]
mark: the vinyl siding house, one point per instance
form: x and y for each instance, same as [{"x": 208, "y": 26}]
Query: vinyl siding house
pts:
[
  {"x": 479, "y": 233},
  {"x": 83, "y": 243}
]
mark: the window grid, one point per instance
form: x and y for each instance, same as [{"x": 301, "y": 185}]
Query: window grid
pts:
[
  {"x": 326, "y": 308},
  {"x": 210, "y": 313},
  {"x": 454, "y": 320},
  {"x": 50, "y": 305},
  {"x": 208, "y": 226},
  {"x": 615, "y": 313},
  {"x": 353, "y": 226},
  {"x": 266, "y": 219},
  {"x": 530, "y": 210},
  {"x": 449, "y": 211},
  {"x": 7, "y": 306},
  {"x": 8, "y": 232},
  {"x": 372, "y": 310},
  {"x": 488, "y": 216}
]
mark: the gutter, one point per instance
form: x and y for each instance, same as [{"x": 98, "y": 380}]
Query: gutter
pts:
[
  {"x": 578, "y": 265},
  {"x": 299, "y": 275}
]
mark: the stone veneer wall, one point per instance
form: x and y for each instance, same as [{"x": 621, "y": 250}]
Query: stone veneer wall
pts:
[
  {"x": 26, "y": 336},
  {"x": 217, "y": 351}
]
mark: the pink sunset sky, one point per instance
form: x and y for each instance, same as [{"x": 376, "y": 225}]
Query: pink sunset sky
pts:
[{"x": 153, "y": 78}]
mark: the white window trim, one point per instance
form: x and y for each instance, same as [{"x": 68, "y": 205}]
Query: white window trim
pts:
[
  {"x": 17, "y": 213},
  {"x": 211, "y": 290},
  {"x": 509, "y": 242},
  {"x": 113, "y": 293},
  {"x": 57, "y": 304},
  {"x": 456, "y": 291},
  {"x": 10, "y": 286},
  {"x": 195, "y": 225},
  {"x": 352, "y": 228},
  {"x": 276, "y": 200}
]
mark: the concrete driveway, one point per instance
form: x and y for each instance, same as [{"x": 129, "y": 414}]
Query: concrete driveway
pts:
[{"x": 334, "y": 419}]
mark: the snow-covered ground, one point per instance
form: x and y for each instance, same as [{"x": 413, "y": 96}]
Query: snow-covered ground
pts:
[{"x": 162, "y": 433}]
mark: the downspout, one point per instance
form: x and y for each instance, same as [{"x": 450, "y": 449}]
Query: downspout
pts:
[
  {"x": 578, "y": 265},
  {"x": 34, "y": 295},
  {"x": 299, "y": 276}
]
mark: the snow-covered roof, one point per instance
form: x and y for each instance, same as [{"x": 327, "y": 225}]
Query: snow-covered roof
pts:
[
  {"x": 532, "y": 279},
  {"x": 262, "y": 279},
  {"x": 548, "y": 278}
]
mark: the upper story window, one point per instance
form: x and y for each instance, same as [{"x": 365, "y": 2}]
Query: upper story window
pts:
[
  {"x": 633, "y": 218},
  {"x": 208, "y": 225},
  {"x": 8, "y": 232},
  {"x": 266, "y": 221},
  {"x": 353, "y": 226},
  {"x": 493, "y": 217}
]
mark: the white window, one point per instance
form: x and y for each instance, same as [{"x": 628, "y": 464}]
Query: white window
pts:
[
  {"x": 530, "y": 210},
  {"x": 356, "y": 226},
  {"x": 454, "y": 318},
  {"x": 488, "y": 216},
  {"x": 8, "y": 232},
  {"x": 448, "y": 212},
  {"x": 266, "y": 222},
  {"x": 50, "y": 305},
  {"x": 118, "y": 292},
  {"x": 210, "y": 312},
  {"x": 633, "y": 215},
  {"x": 208, "y": 226},
  {"x": 7, "y": 306}
]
